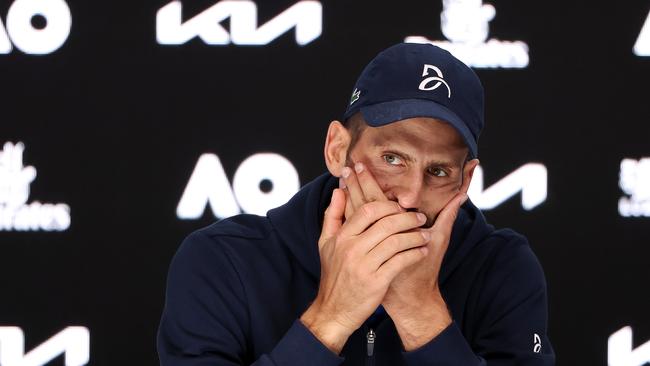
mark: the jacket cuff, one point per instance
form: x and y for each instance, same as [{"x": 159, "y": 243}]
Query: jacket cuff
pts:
[
  {"x": 449, "y": 348},
  {"x": 300, "y": 347}
]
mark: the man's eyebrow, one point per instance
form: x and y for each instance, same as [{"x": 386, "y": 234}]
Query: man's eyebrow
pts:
[
  {"x": 444, "y": 164},
  {"x": 384, "y": 146}
]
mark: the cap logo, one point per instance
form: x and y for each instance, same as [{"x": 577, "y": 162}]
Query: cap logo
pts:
[
  {"x": 355, "y": 96},
  {"x": 425, "y": 84}
]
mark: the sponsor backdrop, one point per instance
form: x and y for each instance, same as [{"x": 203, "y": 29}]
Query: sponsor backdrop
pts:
[{"x": 126, "y": 125}]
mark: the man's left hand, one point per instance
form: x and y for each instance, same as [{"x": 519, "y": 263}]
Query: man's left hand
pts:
[{"x": 413, "y": 300}]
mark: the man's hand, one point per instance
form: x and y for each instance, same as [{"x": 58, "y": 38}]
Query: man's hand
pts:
[
  {"x": 413, "y": 299},
  {"x": 359, "y": 260}
]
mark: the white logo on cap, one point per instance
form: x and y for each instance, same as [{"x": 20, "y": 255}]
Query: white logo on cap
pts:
[{"x": 424, "y": 85}]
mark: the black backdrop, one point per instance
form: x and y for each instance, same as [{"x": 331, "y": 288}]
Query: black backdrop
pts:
[{"x": 114, "y": 124}]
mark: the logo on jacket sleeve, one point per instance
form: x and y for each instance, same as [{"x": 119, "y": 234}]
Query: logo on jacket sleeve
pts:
[
  {"x": 537, "y": 341},
  {"x": 433, "y": 82}
]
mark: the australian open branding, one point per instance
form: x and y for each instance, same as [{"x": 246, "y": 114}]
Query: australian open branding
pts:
[
  {"x": 642, "y": 44},
  {"x": 465, "y": 23},
  {"x": 35, "y": 27},
  {"x": 634, "y": 181},
  {"x": 15, "y": 213}
]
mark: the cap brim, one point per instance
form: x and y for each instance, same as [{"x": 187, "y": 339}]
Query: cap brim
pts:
[{"x": 381, "y": 114}]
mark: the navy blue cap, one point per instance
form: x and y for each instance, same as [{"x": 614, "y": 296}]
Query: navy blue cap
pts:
[{"x": 411, "y": 80}]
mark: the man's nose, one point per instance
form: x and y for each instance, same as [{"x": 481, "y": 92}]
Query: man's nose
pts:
[{"x": 409, "y": 192}]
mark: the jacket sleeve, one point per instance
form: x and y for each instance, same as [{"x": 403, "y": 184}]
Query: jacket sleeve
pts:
[
  {"x": 205, "y": 319},
  {"x": 511, "y": 319}
]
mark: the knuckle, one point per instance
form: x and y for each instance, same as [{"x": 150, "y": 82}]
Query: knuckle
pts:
[{"x": 367, "y": 210}]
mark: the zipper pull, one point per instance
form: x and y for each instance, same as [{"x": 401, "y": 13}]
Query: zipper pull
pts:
[{"x": 371, "y": 342}]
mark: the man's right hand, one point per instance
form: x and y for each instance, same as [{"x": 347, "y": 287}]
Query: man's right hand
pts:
[{"x": 360, "y": 257}]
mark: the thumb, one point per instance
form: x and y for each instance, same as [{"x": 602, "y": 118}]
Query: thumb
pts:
[
  {"x": 334, "y": 214},
  {"x": 447, "y": 216}
]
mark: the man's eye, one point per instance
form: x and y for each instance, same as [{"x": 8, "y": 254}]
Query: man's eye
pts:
[
  {"x": 438, "y": 172},
  {"x": 392, "y": 159}
]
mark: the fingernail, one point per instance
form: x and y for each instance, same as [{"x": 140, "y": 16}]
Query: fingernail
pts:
[
  {"x": 421, "y": 217},
  {"x": 345, "y": 172},
  {"x": 426, "y": 235},
  {"x": 358, "y": 167},
  {"x": 342, "y": 183}
]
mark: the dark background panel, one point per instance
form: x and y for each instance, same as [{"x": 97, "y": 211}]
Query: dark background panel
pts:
[{"x": 114, "y": 124}]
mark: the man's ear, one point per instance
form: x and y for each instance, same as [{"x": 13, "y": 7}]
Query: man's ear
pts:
[
  {"x": 337, "y": 143},
  {"x": 468, "y": 173}
]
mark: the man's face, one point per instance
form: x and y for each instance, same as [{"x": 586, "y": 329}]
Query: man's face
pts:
[{"x": 417, "y": 162}]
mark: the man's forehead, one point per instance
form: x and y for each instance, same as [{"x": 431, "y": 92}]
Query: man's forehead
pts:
[{"x": 420, "y": 131}]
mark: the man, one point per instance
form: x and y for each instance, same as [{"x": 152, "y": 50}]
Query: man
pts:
[{"x": 388, "y": 264}]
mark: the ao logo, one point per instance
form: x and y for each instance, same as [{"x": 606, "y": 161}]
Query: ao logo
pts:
[
  {"x": 530, "y": 179},
  {"x": 621, "y": 353},
  {"x": 74, "y": 342},
  {"x": 30, "y": 39},
  {"x": 642, "y": 45},
  {"x": 305, "y": 16},
  {"x": 209, "y": 185}
]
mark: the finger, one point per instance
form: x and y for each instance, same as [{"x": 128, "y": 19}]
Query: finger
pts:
[
  {"x": 388, "y": 226},
  {"x": 397, "y": 263},
  {"x": 445, "y": 220},
  {"x": 395, "y": 244},
  {"x": 369, "y": 186},
  {"x": 367, "y": 215},
  {"x": 354, "y": 190},
  {"x": 333, "y": 218},
  {"x": 349, "y": 210}
]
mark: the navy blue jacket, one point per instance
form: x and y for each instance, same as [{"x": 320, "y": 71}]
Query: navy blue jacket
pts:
[{"x": 237, "y": 288}]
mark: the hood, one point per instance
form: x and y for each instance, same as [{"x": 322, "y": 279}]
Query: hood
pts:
[{"x": 298, "y": 224}]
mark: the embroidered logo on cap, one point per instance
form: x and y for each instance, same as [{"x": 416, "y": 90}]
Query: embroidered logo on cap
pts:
[
  {"x": 438, "y": 80},
  {"x": 355, "y": 96}
]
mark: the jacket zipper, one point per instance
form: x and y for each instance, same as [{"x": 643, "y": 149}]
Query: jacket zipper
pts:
[{"x": 370, "y": 345}]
